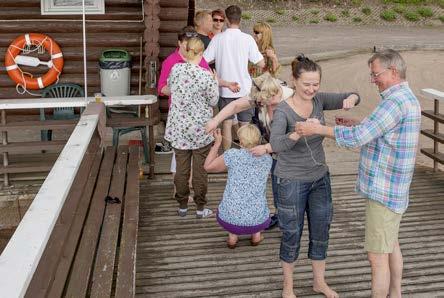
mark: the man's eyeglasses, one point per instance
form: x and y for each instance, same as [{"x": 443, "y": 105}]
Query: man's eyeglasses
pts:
[
  {"x": 256, "y": 32},
  {"x": 375, "y": 75},
  {"x": 218, "y": 20}
]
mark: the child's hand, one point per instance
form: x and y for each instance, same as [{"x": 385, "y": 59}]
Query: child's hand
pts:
[{"x": 217, "y": 134}]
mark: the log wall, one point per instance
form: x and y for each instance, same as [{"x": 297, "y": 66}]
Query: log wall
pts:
[{"x": 123, "y": 25}]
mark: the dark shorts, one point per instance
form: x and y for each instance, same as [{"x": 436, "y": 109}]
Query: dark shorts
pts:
[{"x": 244, "y": 116}]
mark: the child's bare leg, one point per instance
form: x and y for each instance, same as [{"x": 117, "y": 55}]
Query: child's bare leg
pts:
[{"x": 319, "y": 283}]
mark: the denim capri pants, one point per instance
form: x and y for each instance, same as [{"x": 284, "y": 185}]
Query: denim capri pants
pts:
[{"x": 296, "y": 198}]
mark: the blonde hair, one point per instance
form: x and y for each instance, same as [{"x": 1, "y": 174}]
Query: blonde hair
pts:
[
  {"x": 249, "y": 136},
  {"x": 195, "y": 47},
  {"x": 200, "y": 16},
  {"x": 264, "y": 88},
  {"x": 266, "y": 42}
]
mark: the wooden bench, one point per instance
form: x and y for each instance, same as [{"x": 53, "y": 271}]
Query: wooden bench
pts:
[{"x": 92, "y": 249}]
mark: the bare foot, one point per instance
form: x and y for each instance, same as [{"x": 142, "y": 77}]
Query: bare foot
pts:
[
  {"x": 288, "y": 293},
  {"x": 326, "y": 290}
]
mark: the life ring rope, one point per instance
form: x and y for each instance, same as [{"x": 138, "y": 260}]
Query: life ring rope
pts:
[{"x": 26, "y": 80}]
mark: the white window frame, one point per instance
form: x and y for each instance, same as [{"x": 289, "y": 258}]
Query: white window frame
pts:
[{"x": 49, "y": 8}]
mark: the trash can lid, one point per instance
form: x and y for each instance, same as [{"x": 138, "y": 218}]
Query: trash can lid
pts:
[{"x": 115, "y": 55}]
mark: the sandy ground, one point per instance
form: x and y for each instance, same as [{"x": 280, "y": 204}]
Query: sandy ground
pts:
[{"x": 425, "y": 69}]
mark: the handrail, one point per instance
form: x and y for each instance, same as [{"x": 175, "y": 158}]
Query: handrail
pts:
[
  {"x": 432, "y": 94},
  {"x": 39, "y": 103},
  {"x": 22, "y": 254},
  {"x": 434, "y": 134}
]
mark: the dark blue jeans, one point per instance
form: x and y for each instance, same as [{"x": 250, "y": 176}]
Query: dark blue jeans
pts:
[{"x": 295, "y": 198}]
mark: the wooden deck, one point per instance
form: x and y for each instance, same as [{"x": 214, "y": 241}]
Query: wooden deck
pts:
[{"x": 186, "y": 257}]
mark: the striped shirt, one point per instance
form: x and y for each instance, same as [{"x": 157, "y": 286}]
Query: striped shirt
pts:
[{"x": 389, "y": 140}]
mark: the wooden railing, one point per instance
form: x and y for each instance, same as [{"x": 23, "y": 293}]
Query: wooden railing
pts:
[
  {"x": 434, "y": 134},
  {"x": 151, "y": 118},
  {"x": 79, "y": 236}
]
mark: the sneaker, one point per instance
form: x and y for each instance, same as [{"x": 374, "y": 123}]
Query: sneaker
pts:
[
  {"x": 162, "y": 148},
  {"x": 273, "y": 222},
  {"x": 182, "y": 212},
  {"x": 204, "y": 213}
]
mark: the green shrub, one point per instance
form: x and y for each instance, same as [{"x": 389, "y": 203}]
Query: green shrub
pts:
[
  {"x": 426, "y": 12},
  {"x": 366, "y": 10},
  {"x": 271, "y": 20},
  {"x": 314, "y": 12},
  {"x": 441, "y": 18},
  {"x": 400, "y": 8},
  {"x": 247, "y": 16},
  {"x": 345, "y": 13},
  {"x": 440, "y": 3},
  {"x": 388, "y": 15},
  {"x": 357, "y": 19},
  {"x": 330, "y": 17},
  {"x": 314, "y": 21},
  {"x": 411, "y": 16},
  {"x": 295, "y": 18},
  {"x": 356, "y": 2},
  {"x": 280, "y": 12}
]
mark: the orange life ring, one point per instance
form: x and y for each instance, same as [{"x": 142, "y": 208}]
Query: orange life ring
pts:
[{"x": 26, "y": 80}]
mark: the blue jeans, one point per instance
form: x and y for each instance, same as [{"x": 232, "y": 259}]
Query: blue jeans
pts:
[{"x": 296, "y": 198}]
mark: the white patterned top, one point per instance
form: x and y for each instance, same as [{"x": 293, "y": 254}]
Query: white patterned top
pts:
[{"x": 193, "y": 92}]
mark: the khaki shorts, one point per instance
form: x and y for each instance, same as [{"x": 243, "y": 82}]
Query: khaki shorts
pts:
[{"x": 381, "y": 228}]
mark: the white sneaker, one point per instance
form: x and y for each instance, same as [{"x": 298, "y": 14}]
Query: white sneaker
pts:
[{"x": 204, "y": 213}]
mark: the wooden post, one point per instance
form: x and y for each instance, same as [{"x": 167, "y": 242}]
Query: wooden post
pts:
[
  {"x": 436, "y": 132},
  {"x": 5, "y": 154}
]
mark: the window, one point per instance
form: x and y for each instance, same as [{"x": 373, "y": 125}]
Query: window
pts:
[{"x": 63, "y": 7}]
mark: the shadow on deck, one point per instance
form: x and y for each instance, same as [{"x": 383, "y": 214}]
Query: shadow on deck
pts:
[{"x": 186, "y": 257}]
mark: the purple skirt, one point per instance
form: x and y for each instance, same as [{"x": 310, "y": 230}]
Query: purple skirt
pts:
[{"x": 242, "y": 230}]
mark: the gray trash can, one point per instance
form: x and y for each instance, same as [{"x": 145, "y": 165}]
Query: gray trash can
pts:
[{"x": 115, "y": 72}]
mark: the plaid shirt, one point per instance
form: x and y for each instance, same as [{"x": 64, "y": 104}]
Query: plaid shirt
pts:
[{"x": 389, "y": 140}]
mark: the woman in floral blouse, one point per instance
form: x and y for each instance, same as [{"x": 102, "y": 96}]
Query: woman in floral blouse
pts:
[{"x": 194, "y": 91}]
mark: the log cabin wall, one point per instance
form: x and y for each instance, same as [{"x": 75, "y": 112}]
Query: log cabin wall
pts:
[
  {"x": 124, "y": 23},
  {"x": 174, "y": 15},
  {"x": 122, "y": 26}
]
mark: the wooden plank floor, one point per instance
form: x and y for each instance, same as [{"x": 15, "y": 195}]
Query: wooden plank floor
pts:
[{"x": 186, "y": 257}]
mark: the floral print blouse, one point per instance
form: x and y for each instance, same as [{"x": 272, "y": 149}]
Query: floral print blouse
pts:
[
  {"x": 244, "y": 202},
  {"x": 193, "y": 93}
]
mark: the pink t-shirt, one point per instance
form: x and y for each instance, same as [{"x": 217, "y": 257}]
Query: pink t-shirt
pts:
[{"x": 167, "y": 64}]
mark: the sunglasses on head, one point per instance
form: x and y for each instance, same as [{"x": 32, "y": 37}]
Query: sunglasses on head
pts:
[
  {"x": 218, "y": 20},
  {"x": 190, "y": 34}
]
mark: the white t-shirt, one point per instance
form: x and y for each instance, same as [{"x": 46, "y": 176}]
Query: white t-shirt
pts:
[{"x": 231, "y": 50}]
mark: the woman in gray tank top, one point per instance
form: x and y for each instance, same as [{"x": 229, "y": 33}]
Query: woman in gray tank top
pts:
[{"x": 302, "y": 175}]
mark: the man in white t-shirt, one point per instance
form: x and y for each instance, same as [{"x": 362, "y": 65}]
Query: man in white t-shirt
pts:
[{"x": 231, "y": 50}]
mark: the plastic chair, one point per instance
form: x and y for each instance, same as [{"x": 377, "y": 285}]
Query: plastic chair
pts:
[
  {"x": 118, "y": 131},
  {"x": 59, "y": 91}
]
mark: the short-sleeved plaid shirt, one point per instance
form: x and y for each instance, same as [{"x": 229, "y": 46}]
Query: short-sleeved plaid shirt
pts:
[{"x": 389, "y": 140}]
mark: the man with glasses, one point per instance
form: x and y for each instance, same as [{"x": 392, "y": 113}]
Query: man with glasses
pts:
[
  {"x": 388, "y": 139},
  {"x": 231, "y": 50}
]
